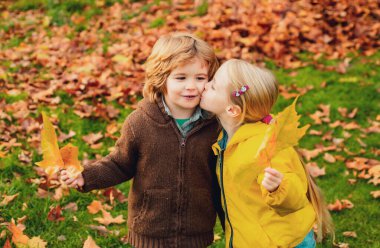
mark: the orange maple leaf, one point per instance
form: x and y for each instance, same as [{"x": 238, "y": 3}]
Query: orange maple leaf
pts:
[
  {"x": 55, "y": 159},
  {"x": 18, "y": 237}
]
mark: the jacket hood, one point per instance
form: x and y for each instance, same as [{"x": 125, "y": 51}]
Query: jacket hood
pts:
[{"x": 244, "y": 132}]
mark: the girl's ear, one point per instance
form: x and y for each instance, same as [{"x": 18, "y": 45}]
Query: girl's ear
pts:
[{"x": 233, "y": 110}]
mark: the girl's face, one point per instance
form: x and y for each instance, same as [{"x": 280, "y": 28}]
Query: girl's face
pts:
[
  {"x": 184, "y": 87},
  {"x": 215, "y": 97}
]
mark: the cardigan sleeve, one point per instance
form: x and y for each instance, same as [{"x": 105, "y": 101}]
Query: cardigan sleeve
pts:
[
  {"x": 291, "y": 194},
  {"x": 115, "y": 168}
]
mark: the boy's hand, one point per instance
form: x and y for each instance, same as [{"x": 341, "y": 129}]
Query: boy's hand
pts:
[
  {"x": 76, "y": 182},
  {"x": 272, "y": 179}
]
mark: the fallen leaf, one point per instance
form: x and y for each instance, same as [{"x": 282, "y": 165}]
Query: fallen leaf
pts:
[
  {"x": 101, "y": 229},
  {"x": 340, "y": 205},
  {"x": 315, "y": 132},
  {"x": 350, "y": 234},
  {"x": 55, "y": 214},
  {"x": 107, "y": 219},
  {"x": 18, "y": 237},
  {"x": 309, "y": 154},
  {"x": 90, "y": 243},
  {"x": 343, "y": 245},
  {"x": 375, "y": 194},
  {"x": 329, "y": 158},
  {"x": 94, "y": 207},
  {"x": 92, "y": 138},
  {"x": 115, "y": 193},
  {"x": 353, "y": 113},
  {"x": 217, "y": 237},
  {"x": 36, "y": 242},
  {"x": 72, "y": 206},
  {"x": 62, "y": 137},
  {"x": 7, "y": 199},
  {"x": 7, "y": 244},
  {"x": 314, "y": 170}
]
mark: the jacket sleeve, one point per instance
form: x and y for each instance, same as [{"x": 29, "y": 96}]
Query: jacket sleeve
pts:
[
  {"x": 115, "y": 168},
  {"x": 291, "y": 195}
]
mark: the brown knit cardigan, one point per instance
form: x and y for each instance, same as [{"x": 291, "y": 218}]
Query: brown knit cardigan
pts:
[{"x": 174, "y": 195}]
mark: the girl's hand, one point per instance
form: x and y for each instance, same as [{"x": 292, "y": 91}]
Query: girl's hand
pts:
[
  {"x": 272, "y": 179},
  {"x": 76, "y": 182}
]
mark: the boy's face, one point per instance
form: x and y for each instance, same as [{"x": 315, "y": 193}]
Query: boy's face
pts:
[
  {"x": 184, "y": 87},
  {"x": 215, "y": 97}
]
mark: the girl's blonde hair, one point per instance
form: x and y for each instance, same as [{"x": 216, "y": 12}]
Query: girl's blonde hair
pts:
[
  {"x": 324, "y": 221},
  {"x": 257, "y": 103},
  {"x": 169, "y": 52}
]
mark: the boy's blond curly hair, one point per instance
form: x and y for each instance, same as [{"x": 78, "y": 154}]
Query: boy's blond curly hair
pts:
[{"x": 169, "y": 52}]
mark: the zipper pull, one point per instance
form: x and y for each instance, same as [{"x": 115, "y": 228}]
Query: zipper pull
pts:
[{"x": 183, "y": 143}]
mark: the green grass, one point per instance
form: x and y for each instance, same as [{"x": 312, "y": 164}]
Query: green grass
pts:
[{"x": 362, "y": 95}]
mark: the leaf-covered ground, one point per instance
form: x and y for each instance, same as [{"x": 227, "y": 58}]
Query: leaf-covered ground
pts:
[{"x": 82, "y": 62}]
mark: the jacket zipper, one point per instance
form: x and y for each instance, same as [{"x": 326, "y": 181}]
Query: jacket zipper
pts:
[
  {"x": 224, "y": 196},
  {"x": 182, "y": 147}
]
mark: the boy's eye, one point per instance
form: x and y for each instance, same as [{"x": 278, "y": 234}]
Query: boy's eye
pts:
[
  {"x": 201, "y": 78},
  {"x": 180, "y": 78}
]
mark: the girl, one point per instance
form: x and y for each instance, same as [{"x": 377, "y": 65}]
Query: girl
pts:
[
  {"x": 165, "y": 146},
  {"x": 271, "y": 207}
]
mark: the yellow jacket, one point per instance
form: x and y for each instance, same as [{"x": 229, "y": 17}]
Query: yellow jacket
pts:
[{"x": 254, "y": 217}]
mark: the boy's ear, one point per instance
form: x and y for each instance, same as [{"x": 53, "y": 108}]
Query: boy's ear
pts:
[{"x": 233, "y": 110}]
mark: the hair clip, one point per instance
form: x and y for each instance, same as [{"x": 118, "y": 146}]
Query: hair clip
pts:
[{"x": 241, "y": 91}]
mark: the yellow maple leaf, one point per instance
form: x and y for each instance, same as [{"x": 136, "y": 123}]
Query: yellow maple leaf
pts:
[
  {"x": 55, "y": 159},
  {"x": 283, "y": 133},
  {"x": 36, "y": 242}
]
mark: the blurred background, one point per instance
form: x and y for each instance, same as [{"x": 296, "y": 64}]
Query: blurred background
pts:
[{"x": 82, "y": 62}]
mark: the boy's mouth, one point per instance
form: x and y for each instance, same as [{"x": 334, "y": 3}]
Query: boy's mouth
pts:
[{"x": 190, "y": 96}]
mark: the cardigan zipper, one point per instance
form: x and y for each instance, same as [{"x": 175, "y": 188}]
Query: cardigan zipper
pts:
[{"x": 224, "y": 196}]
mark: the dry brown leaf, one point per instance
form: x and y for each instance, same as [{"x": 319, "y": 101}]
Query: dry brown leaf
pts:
[
  {"x": 314, "y": 170},
  {"x": 94, "y": 207},
  {"x": 107, "y": 219},
  {"x": 350, "y": 234},
  {"x": 72, "y": 206},
  {"x": 329, "y": 158},
  {"x": 343, "y": 245},
  {"x": 340, "y": 205},
  {"x": 353, "y": 113},
  {"x": 90, "y": 243},
  {"x": 315, "y": 132},
  {"x": 92, "y": 138},
  {"x": 309, "y": 154},
  {"x": 55, "y": 214},
  {"x": 375, "y": 194},
  {"x": 7, "y": 199}
]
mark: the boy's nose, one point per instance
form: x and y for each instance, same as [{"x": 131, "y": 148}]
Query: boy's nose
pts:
[{"x": 190, "y": 85}]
